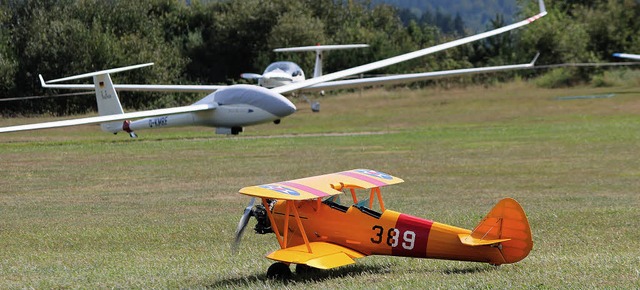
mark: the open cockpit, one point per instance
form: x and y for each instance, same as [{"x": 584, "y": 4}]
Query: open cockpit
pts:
[{"x": 365, "y": 203}]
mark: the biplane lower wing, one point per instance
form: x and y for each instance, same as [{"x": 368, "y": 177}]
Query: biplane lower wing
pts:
[{"x": 323, "y": 255}]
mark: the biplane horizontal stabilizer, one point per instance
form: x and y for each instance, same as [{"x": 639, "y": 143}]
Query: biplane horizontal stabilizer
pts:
[{"x": 468, "y": 240}]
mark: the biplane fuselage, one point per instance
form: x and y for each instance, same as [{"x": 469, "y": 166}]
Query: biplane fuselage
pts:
[
  {"x": 313, "y": 228},
  {"x": 389, "y": 233}
]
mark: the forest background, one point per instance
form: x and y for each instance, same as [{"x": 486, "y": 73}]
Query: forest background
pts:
[{"x": 213, "y": 42}]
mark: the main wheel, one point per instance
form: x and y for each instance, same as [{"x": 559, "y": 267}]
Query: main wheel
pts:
[{"x": 279, "y": 271}]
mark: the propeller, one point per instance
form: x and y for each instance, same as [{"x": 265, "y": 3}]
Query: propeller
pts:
[{"x": 244, "y": 220}]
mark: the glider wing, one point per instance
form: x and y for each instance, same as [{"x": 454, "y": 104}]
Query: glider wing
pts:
[
  {"x": 406, "y": 78},
  {"x": 627, "y": 55},
  {"x": 408, "y": 56},
  {"x": 139, "y": 88},
  {"x": 110, "y": 118}
]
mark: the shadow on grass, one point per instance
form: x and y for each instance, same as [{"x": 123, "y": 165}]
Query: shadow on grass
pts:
[
  {"x": 470, "y": 270},
  {"x": 316, "y": 275},
  {"x": 310, "y": 276}
]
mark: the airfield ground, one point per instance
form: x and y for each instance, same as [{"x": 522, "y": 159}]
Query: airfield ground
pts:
[{"x": 84, "y": 209}]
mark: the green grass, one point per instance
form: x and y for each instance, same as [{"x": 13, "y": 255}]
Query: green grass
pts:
[{"x": 83, "y": 209}]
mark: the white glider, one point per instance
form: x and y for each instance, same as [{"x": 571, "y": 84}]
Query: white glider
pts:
[{"x": 230, "y": 108}]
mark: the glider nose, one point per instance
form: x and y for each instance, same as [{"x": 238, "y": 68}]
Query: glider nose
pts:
[
  {"x": 263, "y": 98},
  {"x": 285, "y": 108}
]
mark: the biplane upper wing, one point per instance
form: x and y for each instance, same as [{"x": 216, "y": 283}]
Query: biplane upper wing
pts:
[
  {"x": 321, "y": 185},
  {"x": 323, "y": 255}
]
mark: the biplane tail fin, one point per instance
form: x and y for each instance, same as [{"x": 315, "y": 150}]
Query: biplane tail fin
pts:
[{"x": 506, "y": 226}]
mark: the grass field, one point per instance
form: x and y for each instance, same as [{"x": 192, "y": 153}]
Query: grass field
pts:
[{"x": 84, "y": 209}]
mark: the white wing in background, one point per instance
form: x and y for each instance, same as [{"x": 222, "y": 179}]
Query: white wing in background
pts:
[
  {"x": 407, "y": 78},
  {"x": 109, "y": 118},
  {"x": 627, "y": 55},
  {"x": 408, "y": 56},
  {"x": 133, "y": 88}
]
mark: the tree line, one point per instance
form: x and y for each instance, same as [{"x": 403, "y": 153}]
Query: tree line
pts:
[{"x": 213, "y": 42}]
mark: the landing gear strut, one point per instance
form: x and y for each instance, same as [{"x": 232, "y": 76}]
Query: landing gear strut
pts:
[{"x": 315, "y": 106}]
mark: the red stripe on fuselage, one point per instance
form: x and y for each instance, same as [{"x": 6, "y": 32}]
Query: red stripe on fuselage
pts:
[{"x": 413, "y": 236}]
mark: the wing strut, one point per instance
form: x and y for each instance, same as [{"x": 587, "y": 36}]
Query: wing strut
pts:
[
  {"x": 290, "y": 208},
  {"x": 292, "y": 204},
  {"x": 273, "y": 222},
  {"x": 285, "y": 229},
  {"x": 377, "y": 191}
]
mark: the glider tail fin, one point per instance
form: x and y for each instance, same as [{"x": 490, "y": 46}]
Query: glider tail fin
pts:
[
  {"x": 108, "y": 102},
  {"x": 106, "y": 96},
  {"x": 506, "y": 226}
]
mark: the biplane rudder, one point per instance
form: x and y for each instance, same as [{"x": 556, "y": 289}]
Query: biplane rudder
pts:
[{"x": 506, "y": 222}]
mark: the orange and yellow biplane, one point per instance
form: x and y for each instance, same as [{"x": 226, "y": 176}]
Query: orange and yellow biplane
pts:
[{"x": 314, "y": 229}]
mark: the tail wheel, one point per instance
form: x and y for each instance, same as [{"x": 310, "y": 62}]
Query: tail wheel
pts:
[{"x": 279, "y": 271}]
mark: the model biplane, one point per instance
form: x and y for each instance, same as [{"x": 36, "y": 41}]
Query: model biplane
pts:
[{"x": 316, "y": 230}]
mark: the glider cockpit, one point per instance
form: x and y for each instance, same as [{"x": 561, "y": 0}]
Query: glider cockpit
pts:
[{"x": 285, "y": 66}]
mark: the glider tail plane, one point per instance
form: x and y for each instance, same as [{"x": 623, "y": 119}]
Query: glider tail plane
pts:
[
  {"x": 106, "y": 96},
  {"x": 506, "y": 226},
  {"x": 108, "y": 102}
]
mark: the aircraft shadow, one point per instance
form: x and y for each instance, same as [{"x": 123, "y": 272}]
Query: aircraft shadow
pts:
[
  {"x": 311, "y": 276},
  {"x": 321, "y": 275},
  {"x": 470, "y": 270}
]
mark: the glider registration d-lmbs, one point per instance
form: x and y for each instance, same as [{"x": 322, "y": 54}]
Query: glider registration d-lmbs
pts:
[{"x": 231, "y": 108}]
